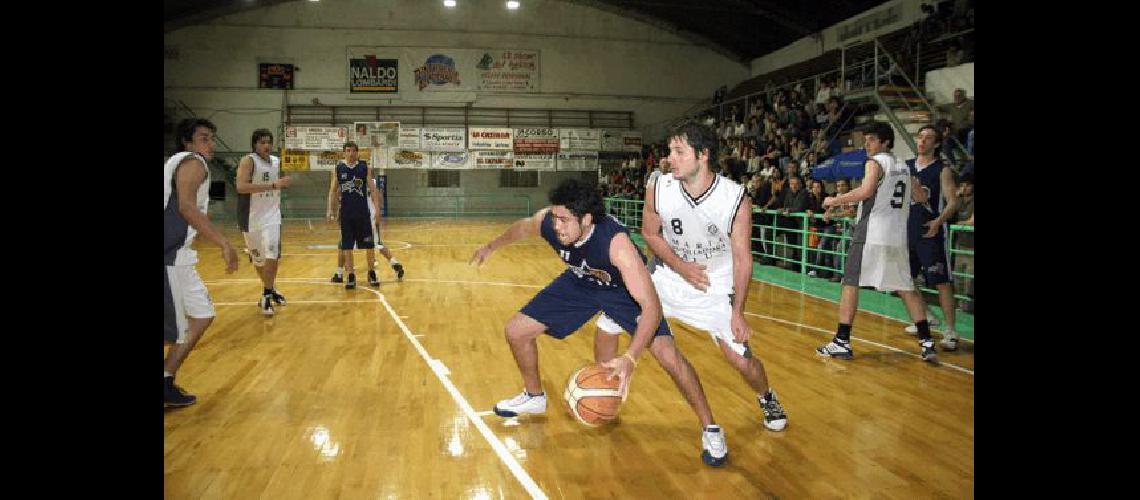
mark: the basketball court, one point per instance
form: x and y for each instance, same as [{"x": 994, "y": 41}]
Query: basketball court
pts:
[{"x": 386, "y": 392}]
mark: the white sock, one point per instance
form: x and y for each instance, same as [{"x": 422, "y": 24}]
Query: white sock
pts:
[
  {"x": 340, "y": 271},
  {"x": 166, "y": 374}
]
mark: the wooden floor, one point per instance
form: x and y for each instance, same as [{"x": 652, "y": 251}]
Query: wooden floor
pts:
[{"x": 387, "y": 392}]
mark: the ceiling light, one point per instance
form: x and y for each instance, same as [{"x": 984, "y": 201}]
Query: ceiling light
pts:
[
  {"x": 512, "y": 5},
  {"x": 449, "y": 3}
]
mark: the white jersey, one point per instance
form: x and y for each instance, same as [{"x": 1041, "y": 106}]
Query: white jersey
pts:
[
  {"x": 698, "y": 229},
  {"x": 263, "y": 208},
  {"x": 881, "y": 219},
  {"x": 177, "y": 229}
]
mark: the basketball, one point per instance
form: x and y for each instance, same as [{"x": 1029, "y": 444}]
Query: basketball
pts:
[{"x": 592, "y": 399}]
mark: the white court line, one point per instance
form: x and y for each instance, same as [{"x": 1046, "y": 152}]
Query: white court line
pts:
[
  {"x": 438, "y": 368},
  {"x": 485, "y": 413},
  {"x": 960, "y": 339},
  {"x": 829, "y": 332},
  {"x": 441, "y": 372},
  {"x": 291, "y": 302},
  {"x": 493, "y": 283}
]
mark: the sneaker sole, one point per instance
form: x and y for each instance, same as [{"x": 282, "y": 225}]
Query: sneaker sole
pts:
[
  {"x": 178, "y": 405},
  {"x": 508, "y": 413},
  {"x": 778, "y": 425},
  {"x": 839, "y": 356},
  {"x": 708, "y": 459}
]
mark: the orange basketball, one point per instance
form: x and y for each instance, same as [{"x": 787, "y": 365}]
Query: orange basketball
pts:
[{"x": 592, "y": 399}]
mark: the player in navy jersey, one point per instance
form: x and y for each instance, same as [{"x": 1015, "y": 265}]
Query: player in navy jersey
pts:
[
  {"x": 605, "y": 273},
  {"x": 926, "y": 228},
  {"x": 349, "y": 185}
]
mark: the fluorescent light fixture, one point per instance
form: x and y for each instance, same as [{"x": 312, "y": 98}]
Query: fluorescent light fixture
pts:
[
  {"x": 512, "y": 4},
  {"x": 449, "y": 3}
]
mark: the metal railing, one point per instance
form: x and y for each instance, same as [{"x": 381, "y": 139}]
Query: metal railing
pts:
[
  {"x": 823, "y": 256},
  {"x": 460, "y": 205}
]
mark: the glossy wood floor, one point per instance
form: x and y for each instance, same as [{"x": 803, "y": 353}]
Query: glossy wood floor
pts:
[{"x": 332, "y": 398}]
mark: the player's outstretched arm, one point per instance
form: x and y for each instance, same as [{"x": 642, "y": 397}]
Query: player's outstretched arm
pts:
[
  {"x": 522, "y": 228},
  {"x": 626, "y": 259}
]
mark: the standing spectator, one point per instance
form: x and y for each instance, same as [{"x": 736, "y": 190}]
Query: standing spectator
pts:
[
  {"x": 823, "y": 94},
  {"x": 959, "y": 114},
  {"x": 848, "y": 210},
  {"x": 954, "y": 54},
  {"x": 794, "y": 201},
  {"x": 964, "y": 240},
  {"x": 815, "y": 207}
]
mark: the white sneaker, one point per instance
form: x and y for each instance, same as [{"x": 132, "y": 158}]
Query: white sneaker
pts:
[
  {"x": 812, "y": 273},
  {"x": 523, "y": 403},
  {"x": 933, "y": 320},
  {"x": 715, "y": 448},
  {"x": 949, "y": 341}
]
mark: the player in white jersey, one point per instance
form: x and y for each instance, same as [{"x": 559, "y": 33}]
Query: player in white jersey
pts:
[
  {"x": 878, "y": 256},
  {"x": 187, "y": 310},
  {"x": 259, "y": 185},
  {"x": 699, "y": 224}
]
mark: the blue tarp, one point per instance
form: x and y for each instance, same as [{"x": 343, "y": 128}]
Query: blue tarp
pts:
[{"x": 848, "y": 165}]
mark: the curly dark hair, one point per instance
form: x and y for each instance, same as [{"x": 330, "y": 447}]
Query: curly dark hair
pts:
[{"x": 580, "y": 198}]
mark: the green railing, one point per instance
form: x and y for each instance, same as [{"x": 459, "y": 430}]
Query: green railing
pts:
[
  {"x": 823, "y": 261},
  {"x": 462, "y": 205}
]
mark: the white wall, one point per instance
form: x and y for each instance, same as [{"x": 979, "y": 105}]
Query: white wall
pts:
[
  {"x": 940, "y": 83},
  {"x": 907, "y": 12},
  {"x": 589, "y": 59}
]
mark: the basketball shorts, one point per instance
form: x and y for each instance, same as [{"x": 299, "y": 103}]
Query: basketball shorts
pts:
[
  {"x": 184, "y": 295},
  {"x": 703, "y": 311},
  {"x": 884, "y": 267},
  {"x": 355, "y": 230},
  {"x": 372, "y": 216},
  {"x": 928, "y": 256},
  {"x": 564, "y": 306},
  {"x": 264, "y": 243}
]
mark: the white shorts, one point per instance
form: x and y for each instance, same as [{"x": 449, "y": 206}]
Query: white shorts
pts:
[
  {"x": 375, "y": 224},
  {"x": 264, "y": 243},
  {"x": 887, "y": 268},
  {"x": 185, "y": 296},
  {"x": 679, "y": 300}
]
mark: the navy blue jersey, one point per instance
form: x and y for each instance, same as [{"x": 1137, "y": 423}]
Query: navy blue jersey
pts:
[
  {"x": 589, "y": 261},
  {"x": 353, "y": 188},
  {"x": 921, "y": 213}
]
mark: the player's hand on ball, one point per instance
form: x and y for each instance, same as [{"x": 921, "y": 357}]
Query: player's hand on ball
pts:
[{"x": 622, "y": 368}]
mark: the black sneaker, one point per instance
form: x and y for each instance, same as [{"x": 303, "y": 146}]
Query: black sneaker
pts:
[
  {"x": 265, "y": 304},
  {"x": 929, "y": 354},
  {"x": 278, "y": 299},
  {"x": 173, "y": 396},
  {"x": 774, "y": 416},
  {"x": 372, "y": 278},
  {"x": 351, "y": 283},
  {"x": 399, "y": 268},
  {"x": 337, "y": 278}
]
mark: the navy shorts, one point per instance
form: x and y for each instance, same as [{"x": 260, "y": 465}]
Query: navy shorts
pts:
[
  {"x": 355, "y": 229},
  {"x": 928, "y": 256},
  {"x": 564, "y": 306}
]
